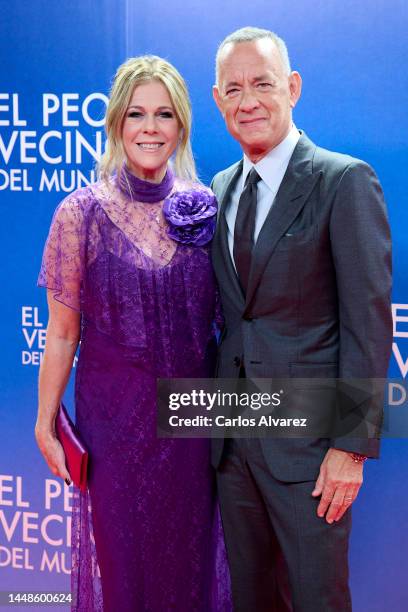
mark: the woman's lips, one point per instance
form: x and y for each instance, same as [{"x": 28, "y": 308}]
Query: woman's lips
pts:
[{"x": 150, "y": 146}]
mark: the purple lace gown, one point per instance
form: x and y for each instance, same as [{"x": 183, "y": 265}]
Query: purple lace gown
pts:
[{"x": 146, "y": 534}]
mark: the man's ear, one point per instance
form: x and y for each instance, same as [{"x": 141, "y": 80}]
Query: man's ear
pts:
[
  {"x": 217, "y": 99},
  {"x": 295, "y": 87}
]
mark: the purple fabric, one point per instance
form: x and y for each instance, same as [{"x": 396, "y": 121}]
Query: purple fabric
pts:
[
  {"x": 147, "y": 308},
  {"x": 191, "y": 216},
  {"x": 145, "y": 191}
]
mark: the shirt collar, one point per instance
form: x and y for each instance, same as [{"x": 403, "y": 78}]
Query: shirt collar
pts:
[{"x": 271, "y": 166}]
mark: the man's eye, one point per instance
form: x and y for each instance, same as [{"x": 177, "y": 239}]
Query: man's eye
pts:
[
  {"x": 232, "y": 91},
  {"x": 264, "y": 85}
]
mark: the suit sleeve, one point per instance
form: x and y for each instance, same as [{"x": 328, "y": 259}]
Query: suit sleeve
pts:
[{"x": 361, "y": 250}]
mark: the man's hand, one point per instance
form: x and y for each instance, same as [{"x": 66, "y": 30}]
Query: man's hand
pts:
[{"x": 339, "y": 481}]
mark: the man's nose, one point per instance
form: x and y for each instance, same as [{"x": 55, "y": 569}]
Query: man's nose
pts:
[{"x": 248, "y": 100}]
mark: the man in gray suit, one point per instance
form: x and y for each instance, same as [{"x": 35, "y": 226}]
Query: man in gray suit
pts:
[{"x": 302, "y": 257}]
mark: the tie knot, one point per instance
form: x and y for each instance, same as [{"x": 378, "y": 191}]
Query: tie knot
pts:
[{"x": 253, "y": 177}]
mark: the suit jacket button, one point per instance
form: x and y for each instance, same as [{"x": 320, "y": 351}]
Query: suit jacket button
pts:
[{"x": 237, "y": 361}]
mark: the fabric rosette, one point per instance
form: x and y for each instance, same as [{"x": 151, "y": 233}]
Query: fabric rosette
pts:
[{"x": 192, "y": 216}]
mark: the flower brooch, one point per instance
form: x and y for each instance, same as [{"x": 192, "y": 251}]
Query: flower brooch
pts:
[{"x": 191, "y": 215}]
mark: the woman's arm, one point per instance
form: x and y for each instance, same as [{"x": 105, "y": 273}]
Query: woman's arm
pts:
[{"x": 63, "y": 334}]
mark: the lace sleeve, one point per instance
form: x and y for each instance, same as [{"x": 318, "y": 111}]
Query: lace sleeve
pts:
[{"x": 62, "y": 262}]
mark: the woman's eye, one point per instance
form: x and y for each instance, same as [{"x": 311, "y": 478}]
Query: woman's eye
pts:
[
  {"x": 134, "y": 114},
  {"x": 166, "y": 115}
]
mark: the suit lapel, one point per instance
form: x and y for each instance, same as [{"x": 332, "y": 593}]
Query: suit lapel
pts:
[
  {"x": 293, "y": 192},
  {"x": 221, "y": 253}
]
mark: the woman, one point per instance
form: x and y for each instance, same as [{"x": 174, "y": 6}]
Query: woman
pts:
[{"x": 128, "y": 273}]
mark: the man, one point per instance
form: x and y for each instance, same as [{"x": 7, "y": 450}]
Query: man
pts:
[{"x": 302, "y": 257}]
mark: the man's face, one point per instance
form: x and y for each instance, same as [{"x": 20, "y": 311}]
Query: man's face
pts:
[{"x": 256, "y": 95}]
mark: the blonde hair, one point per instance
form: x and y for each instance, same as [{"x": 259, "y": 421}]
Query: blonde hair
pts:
[{"x": 134, "y": 72}]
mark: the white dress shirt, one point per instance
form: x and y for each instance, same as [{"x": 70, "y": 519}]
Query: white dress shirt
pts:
[{"x": 271, "y": 169}]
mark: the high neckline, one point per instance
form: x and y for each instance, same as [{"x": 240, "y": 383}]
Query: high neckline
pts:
[{"x": 145, "y": 191}]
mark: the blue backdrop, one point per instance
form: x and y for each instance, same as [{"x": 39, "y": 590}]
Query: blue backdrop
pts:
[{"x": 57, "y": 61}]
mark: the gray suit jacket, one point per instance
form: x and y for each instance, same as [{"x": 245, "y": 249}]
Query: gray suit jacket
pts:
[{"x": 318, "y": 300}]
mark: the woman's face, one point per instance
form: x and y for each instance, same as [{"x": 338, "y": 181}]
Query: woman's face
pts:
[{"x": 150, "y": 131}]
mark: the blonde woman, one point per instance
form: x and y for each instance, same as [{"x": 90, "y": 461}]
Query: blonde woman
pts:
[{"x": 128, "y": 273}]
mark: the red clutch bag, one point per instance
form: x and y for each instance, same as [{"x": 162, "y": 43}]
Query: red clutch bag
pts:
[{"x": 76, "y": 455}]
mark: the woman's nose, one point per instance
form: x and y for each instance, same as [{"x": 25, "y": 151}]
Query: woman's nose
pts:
[{"x": 150, "y": 126}]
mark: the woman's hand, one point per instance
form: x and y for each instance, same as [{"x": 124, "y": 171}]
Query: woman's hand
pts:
[
  {"x": 61, "y": 343},
  {"x": 52, "y": 452}
]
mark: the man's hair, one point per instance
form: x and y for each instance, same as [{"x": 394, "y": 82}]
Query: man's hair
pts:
[{"x": 250, "y": 34}]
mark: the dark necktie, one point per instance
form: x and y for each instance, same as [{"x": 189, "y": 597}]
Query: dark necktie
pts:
[{"x": 245, "y": 227}]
